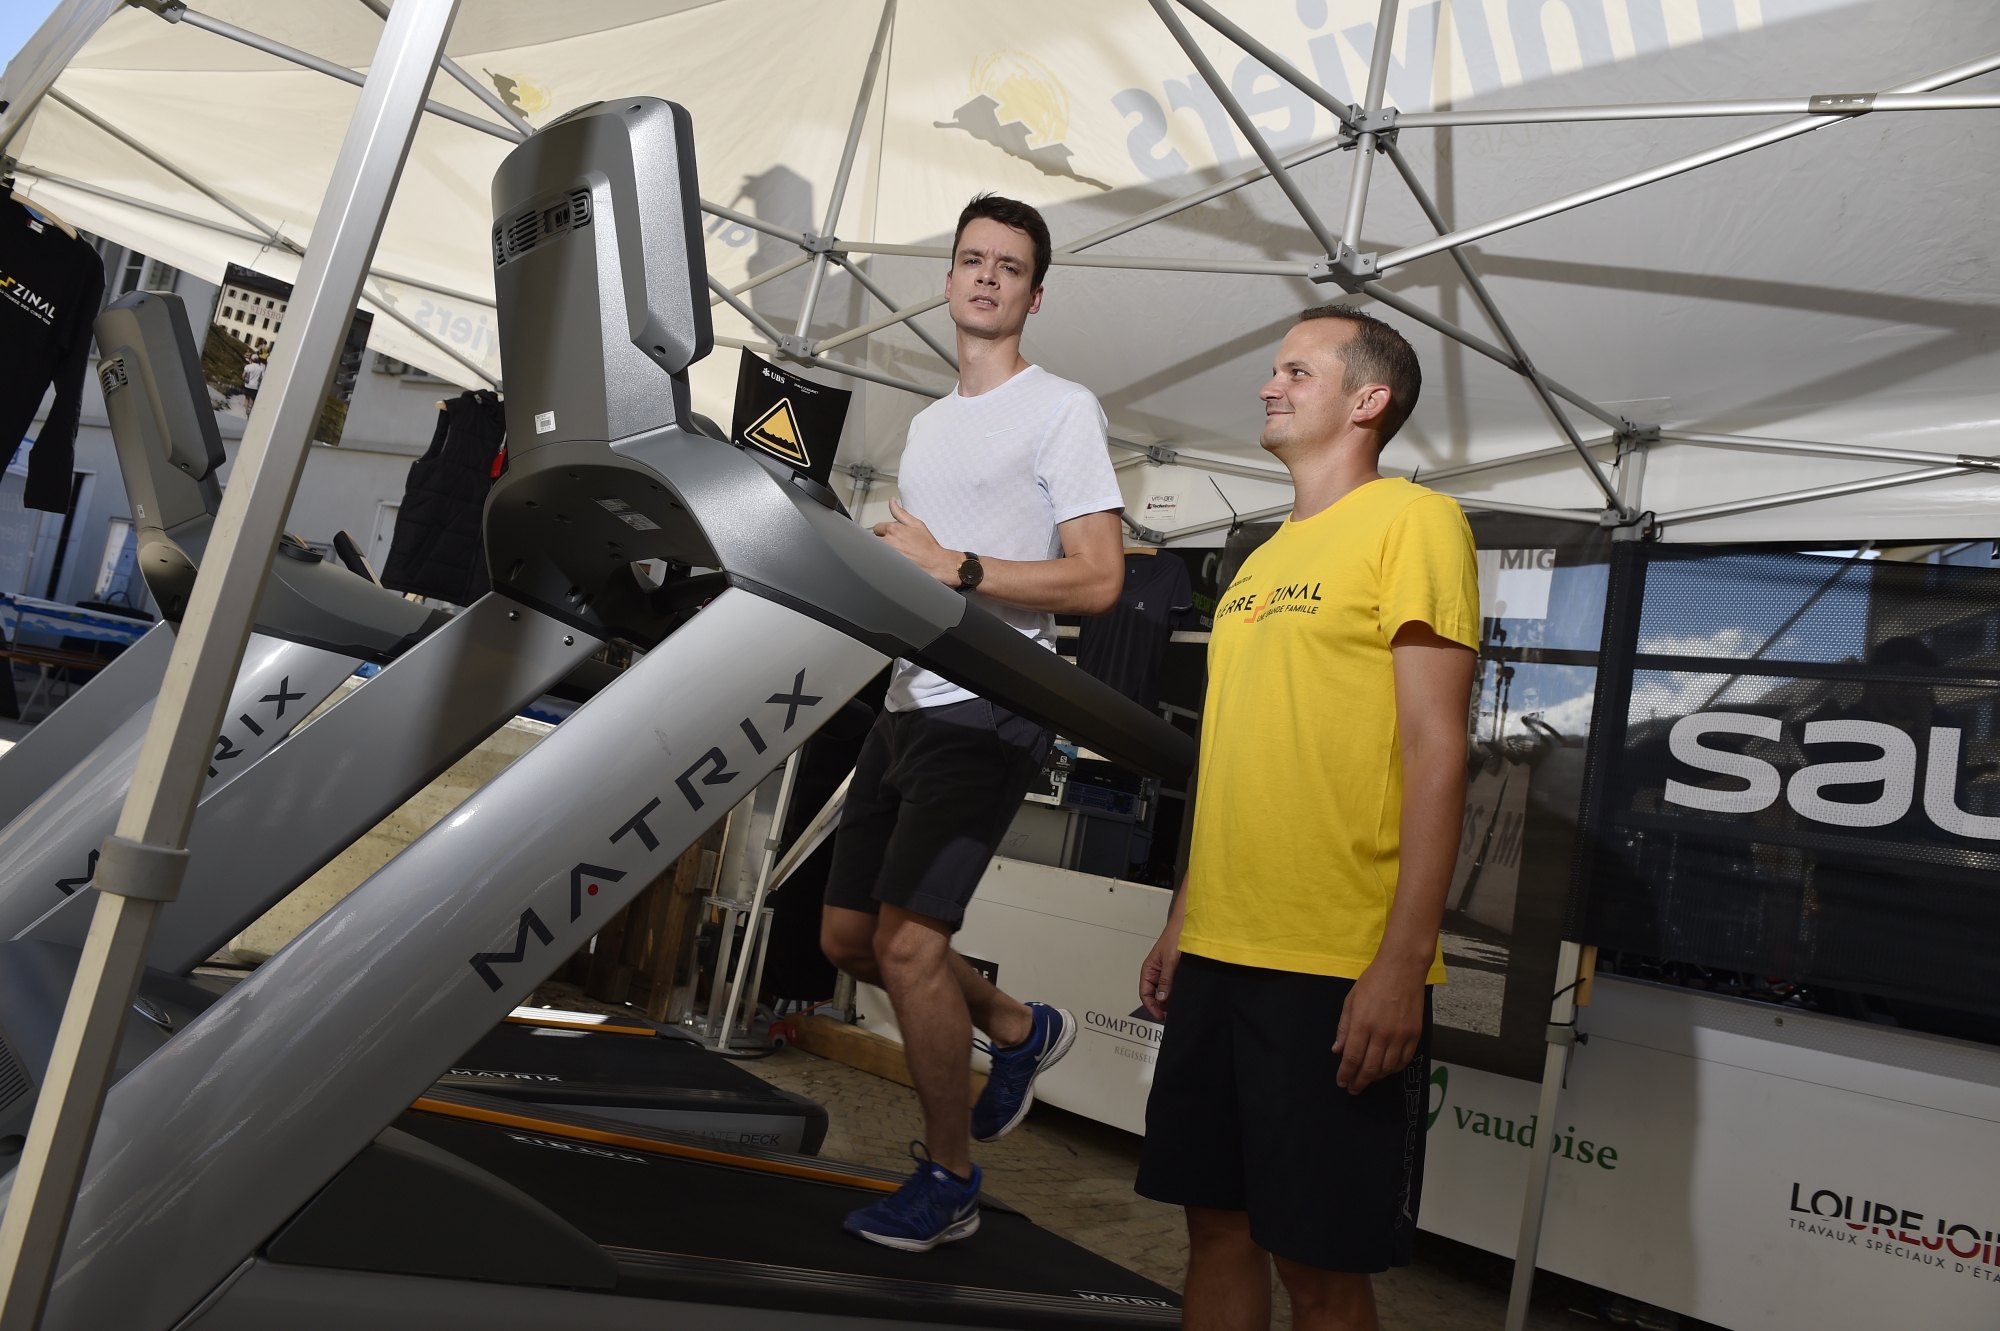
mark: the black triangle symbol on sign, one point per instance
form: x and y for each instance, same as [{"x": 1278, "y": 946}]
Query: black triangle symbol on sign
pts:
[{"x": 778, "y": 431}]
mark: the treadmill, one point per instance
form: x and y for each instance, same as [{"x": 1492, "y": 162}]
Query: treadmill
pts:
[
  {"x": 317, "y": 622},
  {"x": 331, "y": 618},
  {"x": 311, "y": 1083}
]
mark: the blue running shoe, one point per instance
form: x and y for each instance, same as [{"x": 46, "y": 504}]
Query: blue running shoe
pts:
[
  {"x": 1010, "y": 1086},
  {"x": 930, "y": 1208}
]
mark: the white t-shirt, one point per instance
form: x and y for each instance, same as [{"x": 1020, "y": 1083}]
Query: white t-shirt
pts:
[{"x": 995, "y": 474}]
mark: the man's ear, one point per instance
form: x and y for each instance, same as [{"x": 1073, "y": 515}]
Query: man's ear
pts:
[
  {"x": 1035, "y": 302},
  {"x": 1372, "y": 406}
]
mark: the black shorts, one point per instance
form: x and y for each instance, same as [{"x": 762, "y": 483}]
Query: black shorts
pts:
[
  {"x": 934, "y": 790},
  {"x": 1245, "y": 1116}
]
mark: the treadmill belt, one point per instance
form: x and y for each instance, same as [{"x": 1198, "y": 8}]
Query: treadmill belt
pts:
[
  {"x": 711, "y": 1233},
  {"x": 510, "y": 1049}
]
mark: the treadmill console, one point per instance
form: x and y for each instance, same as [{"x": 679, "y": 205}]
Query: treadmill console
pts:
[{"x": 599, "y": 273}]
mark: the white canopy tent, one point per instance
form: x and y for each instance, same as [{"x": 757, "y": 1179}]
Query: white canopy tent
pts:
[
  {"x": 1846, "y": 409},
  {"x": 1829, "y": 286}
]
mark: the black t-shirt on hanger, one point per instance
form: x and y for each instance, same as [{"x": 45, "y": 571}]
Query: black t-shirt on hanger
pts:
[
  {"x": 50, "y": 287},
  {"x": 1127, "y": 647}
]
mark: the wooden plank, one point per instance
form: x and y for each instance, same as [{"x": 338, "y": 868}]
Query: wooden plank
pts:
[{"x": 863, "y": 1049}]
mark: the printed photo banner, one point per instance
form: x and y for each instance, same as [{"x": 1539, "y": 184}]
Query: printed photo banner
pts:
[
  {"x": 1541, "y": 591},
  {"x": 1795, "y": 771},
  {"x": 243, "y": 332}
]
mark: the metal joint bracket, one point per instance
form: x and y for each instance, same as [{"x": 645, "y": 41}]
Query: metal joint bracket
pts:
[
  {"x": 1382, "y": 124},
  {"x": 170, "y": 10},
  {"x": 861, "y": 472},
  {"x": 1150, "y": 535},
  {"x": 798, "y": 348},
  {"x": 1634, "y": 437},
  {"x": 1637, "y": 527},
  {"x": 1622, "y": 517},
  {"x": 1840, "y": 104},
  {"x": 820, "y": 244},
  {"x": 1978, "y": 463},
  {"x": 1346, "y": 269},
  {"x": 135, "y": 869},
  {"x": 1565, "y": 1035},
  {"x": 1161, "y": 456}
]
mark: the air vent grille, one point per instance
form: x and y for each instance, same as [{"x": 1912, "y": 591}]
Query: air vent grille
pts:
[
  {"x": 13, "y": 1081},
  {"x": 111, "y": 374},
  {"x": 539, "y": 225}
]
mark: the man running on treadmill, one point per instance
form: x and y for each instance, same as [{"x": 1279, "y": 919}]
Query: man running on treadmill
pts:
[{"x": 1009, "y": 496}]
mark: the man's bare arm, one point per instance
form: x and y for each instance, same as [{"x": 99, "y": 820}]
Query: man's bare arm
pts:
[
  {"x": 1384, "y": 1016},
  {"x": 1085, "y": 581}
]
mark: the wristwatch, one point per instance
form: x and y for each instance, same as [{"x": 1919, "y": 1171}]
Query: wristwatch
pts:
[{"x": 971, "y": 573}]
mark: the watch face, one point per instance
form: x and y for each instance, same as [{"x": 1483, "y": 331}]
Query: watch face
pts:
[{"x": 971, "y": 572}]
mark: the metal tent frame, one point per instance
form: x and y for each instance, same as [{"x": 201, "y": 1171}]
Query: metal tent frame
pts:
[
  {"x": 1367, "y": 130},
  {"x": 141, "y": 867}
]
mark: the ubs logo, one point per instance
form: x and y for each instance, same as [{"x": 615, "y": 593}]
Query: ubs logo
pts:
[{"x": 1894, "y": 768}]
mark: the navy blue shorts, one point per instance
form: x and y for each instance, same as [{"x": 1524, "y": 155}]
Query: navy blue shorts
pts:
[
  {"x": 934, "y": 791},
  {"x": 1245, "y": 1116}
]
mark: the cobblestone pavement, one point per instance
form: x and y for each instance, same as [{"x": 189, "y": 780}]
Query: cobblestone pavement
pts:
[{"x": 1074, "y": 1176}]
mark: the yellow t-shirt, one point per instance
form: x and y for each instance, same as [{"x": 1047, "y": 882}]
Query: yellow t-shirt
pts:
[{"x": 1298, "y": 812}]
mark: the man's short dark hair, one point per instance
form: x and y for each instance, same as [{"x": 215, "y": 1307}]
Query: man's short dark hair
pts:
[
  {"x": 1377, "y": 354},
  {"x": 1008, "y": 212}
]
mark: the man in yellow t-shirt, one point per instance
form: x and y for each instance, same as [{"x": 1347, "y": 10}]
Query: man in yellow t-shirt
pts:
[{"x": 1288, "y": 1106}]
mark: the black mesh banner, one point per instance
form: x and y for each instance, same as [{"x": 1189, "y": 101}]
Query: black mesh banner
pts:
[{"x": 1792, "y": 771}]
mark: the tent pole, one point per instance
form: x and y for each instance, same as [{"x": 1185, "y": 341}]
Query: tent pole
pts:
[
  {"x": 789, "y": 265},
  {"x": 1249, "y": 130},
  {"x": 875, "y": 377},
  {"x": 1492, "y": 308},
  {"x": 1808, "y": 448},
  {"x": 1818, "y": 492},
  {"x": 1666, "y": 170},
  {"x": 380, "y": 301},
  {"x": 470, "y": 84},
  {"x": 271, "y": 235},
  {"x": 44, "y": 56},
  {"x": 1271, "y": 60},
  {"x": 1200, "y": 196},
  {"x": 847, "y": 151},
  {"x": 1376, "y": 291},
  {"x": 1364, "y": 143},
  {"x": 753, "y": 923},
  {"x": 757, "y": 321},
  {"x": 1069, "y": 259},
  {"x": 1561, "y": 1037},
  {"x": 143, "y": 862},
  {"x": 22, "y": 168},
  {"x": 868, "y": 285},
  {"x": 903, "y": 315},
  {"x": 754, "y": 223},
  {"x": 1533, "y": 455},
  {"x": 307, "y": 60},
  {"x": 1829, "y": 105}
]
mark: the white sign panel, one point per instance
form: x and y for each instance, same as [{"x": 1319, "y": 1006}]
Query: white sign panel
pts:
[
  {"x": 1514, "y": 584},
  {"x": 1076, "y": 941},
  {"x": 1758, "y": 1168}
]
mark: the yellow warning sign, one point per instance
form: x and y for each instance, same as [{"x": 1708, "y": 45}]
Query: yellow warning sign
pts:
[{"x": 778, "y": 431}]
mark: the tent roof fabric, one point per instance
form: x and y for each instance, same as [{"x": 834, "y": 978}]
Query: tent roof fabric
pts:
[{"x": 1837, "y": 286}]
